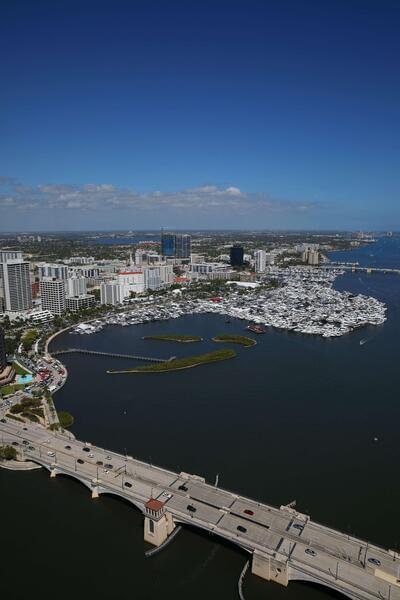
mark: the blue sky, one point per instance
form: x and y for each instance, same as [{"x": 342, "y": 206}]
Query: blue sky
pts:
[{"x": 199, "y": 114}]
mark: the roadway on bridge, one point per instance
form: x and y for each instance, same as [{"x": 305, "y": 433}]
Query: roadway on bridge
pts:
[{"x": 326, "y": 555}]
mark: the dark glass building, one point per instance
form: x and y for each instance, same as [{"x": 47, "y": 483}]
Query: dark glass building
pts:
[
  {"x": 236, "y": 254},
  {"x": 3, "y": 356},
  {"x": 183, "y": 245},
  {"x": 176, "y": 245},
  {"x": 168, "y": 244}
]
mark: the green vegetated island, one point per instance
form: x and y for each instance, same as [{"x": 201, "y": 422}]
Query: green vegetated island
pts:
[
  {"x": 177, "y": 364},
  {"x": 174, "y": 338},
  {"x": 235, "y": 339}
]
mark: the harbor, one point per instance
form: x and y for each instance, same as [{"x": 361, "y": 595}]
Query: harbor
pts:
[{"x": 304, "y": 302}]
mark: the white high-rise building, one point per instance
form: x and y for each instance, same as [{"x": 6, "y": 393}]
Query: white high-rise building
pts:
[
  {"x": 15, "y": 282},
  {"x": 166, "y": 274},
  {"x": 52, "y": 292},
  {"x": 152, "y": 279},
  {"x": 111, "y": 293},
  {"x": 55, "y": 271},
  {"x": 260, "y": 261},
  {"x": 75, "y": 286}
]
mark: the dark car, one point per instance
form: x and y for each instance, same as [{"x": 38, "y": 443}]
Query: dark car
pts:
[
  {"x": 127, "y": 484},
  {"x": 3, "y": 420},
  {"x": 241, "y": 528},
  {"x": 15, "y": 443},
  {"x": 67, "y": 447},
  {"x": 25, "y": 442},
  {"x": 25, "y": 428},
  {"x": 374, "y": 561},
  {"x": 183, "y": 487},
  {"x": 99, "y": 463},
  {"x": 247, "y": 511},
  {"x": 298, "y": 526},
  {"x": 31, "y": 448},
  {"x": 108, "y": 466},
  {"x": 191, "y": 508},
  {"x": 86, "y": 449},
  {"x": 80, "y": 461},
  {"x": 310, "y": 551}
]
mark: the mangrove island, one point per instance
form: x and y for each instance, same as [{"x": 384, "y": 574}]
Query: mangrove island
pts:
[
  {"x": 235, "y": 339},
  {"x": 177, "y": 364},
  {"x": 174, "y": 338}
]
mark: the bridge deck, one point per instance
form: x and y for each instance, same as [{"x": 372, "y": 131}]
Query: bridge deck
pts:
[{"x": 337, "y": 560}]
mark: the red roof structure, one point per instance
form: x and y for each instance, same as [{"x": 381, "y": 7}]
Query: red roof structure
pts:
[{"x": 155, "y": 505}]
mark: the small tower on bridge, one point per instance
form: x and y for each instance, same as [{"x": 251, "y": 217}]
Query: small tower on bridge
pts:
[{"x": 158, "y": 524}]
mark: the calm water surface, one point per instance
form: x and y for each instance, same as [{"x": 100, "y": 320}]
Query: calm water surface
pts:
[{"x": 292, "y": 418}]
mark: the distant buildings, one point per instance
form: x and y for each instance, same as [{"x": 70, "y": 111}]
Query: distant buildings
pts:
[
  {"x": 236, "y": 256},
  {"x": 52, "y": 270},
  {"x": 176, "y": 245},
  {"x": 15, "y": 283},
  {"x": 310, "y": 255}
]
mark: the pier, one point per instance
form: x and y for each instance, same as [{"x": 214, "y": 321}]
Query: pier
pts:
[
  {"x": 283, "y": 544},
  {"x": 112, "y": 354}
]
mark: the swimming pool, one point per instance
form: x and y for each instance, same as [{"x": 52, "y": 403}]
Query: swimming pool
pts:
[{"x": 24, "y": 378}]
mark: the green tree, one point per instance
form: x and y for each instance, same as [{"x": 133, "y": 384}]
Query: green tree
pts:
[{"x": 7, "y": 453}]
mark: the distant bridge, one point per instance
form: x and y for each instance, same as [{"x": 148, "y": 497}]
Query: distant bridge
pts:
[
  {"x": 112, "y": 354},
  {"x": 355, "y": 268}
]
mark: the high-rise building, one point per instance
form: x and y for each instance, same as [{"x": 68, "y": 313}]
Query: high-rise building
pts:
[
  {"x": 75, "y": 286},
  {"x": 76, "y": 303},
  {"x": 168, "y": 244},
  {"x": 176, "y": 245},
  {"x": 52, "y": 292},
  {"x": 111, "y": 293},
  {"x": 53, "y": 270},
  {"x": 313, "y": 257},
  {"x": 236, "y": 255},
  {"x": 152, "y": 278},
  {"x": 260, "y": 261},
  {"x": 3, "y": 355},
  {"x": 183, "y": 245},
  {"x": 6, "y": 255},
  {"x": 15, "y": 283}
]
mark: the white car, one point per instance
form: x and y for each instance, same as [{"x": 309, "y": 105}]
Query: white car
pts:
[{"x": 50, "y": 454}]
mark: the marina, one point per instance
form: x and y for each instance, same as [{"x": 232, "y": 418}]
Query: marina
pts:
[{"x": 304, "y": 302}]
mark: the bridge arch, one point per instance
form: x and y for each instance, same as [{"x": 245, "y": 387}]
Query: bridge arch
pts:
[
  {"x": 104, "y": 492},
  {"x": 296, "y": 575}
]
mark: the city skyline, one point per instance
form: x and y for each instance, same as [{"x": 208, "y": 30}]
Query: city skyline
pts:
[{"x": 268, "y": 115}]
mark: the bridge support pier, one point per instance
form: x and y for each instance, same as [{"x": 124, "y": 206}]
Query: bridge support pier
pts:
[
  {"x": 270, "y": 568},
  {"x": 95, "y": 492},
  {"x": 158, "y": 524},
  {"x": 53, "y": 472}
]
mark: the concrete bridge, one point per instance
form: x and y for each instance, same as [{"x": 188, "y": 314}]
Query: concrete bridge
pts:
[
  {"x": 283, "y": 544},
  {"x": 356, "y": 268},
  {"x": 112, "y": 354}
]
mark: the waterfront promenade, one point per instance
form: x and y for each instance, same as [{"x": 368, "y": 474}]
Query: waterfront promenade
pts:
[{"x": 284, "y": 544}]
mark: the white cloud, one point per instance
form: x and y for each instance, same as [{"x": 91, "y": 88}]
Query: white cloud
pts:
[{"x": 207, "y": 199}]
